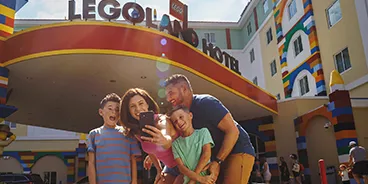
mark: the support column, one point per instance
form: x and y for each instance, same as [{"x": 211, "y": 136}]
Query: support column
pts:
[
  {"x": 341, "y": 109},
  {"x": 8, "y": 8},
  {"x": 5, "y": 110},
  {"x": 82, "y": 153}
]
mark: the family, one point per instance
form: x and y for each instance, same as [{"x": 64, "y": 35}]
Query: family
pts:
[{"x": 198, "y": 141}]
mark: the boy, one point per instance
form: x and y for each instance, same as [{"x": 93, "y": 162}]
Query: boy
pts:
[
  {"x": 192, "y": 150},
  {"x": 111, "y": 155}
]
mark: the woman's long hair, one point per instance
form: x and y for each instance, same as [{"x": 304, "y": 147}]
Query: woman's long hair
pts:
[{"x": 126, "y": 119}]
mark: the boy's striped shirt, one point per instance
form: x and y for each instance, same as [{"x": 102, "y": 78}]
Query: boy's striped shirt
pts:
[{"x": 112, "y": 150}]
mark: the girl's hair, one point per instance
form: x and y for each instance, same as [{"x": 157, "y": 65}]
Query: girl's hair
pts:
[{"x": 126, "y": 119}]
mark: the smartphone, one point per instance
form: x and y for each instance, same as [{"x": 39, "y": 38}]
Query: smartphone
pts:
[{"x": 146, "y": 118}]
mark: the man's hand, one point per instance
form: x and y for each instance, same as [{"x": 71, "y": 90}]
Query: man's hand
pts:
[
  {"x": 214, "y": 169},
  {"x": 207, "y": 179},
  {"x": 147, "y": 163}
]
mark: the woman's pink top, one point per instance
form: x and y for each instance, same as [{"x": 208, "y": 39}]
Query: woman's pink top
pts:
[{"x": 165, "y": 156}]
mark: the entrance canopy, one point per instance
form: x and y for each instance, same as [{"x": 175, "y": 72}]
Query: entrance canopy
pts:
[{"x": 60, "y": 72}]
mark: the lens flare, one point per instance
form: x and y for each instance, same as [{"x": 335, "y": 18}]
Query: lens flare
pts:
[
  {"x": 162, "y": 82},
  {"x": 161, "y": 93},
  {"x": 162, "y": 67},
  {"x": 163, "y": 41}
]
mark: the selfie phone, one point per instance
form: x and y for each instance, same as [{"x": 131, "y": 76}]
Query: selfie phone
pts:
[{"x": 146, "y": 118}]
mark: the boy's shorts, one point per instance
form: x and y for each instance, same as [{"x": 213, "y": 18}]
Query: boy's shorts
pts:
[{"x": 172, "y": 171}]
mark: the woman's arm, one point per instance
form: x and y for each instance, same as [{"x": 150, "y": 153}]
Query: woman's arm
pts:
[
  {"x": 156, "y": 163},
  {"x": 157, "y": 138}
]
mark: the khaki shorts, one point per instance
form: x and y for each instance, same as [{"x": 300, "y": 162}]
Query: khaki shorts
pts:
[{"x": 237, "y": 168}]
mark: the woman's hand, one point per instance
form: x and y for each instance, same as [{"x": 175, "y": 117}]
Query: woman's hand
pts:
[
  {"x": 160, "y": 177},
  {"x": 157, "y": 136},
  {"x": 147, "y": 163}
]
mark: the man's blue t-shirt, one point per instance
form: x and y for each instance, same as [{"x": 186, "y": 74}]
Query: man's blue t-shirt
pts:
[{"x": 208, "y": 112}]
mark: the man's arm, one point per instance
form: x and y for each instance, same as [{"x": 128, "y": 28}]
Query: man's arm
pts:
[
  {"x": 91, "y": 170},
  {"x": 228, "y": 126}
]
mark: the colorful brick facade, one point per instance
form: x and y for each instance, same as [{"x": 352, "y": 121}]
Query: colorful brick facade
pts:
[
  {"x": 264, "y": 129},
  {"x": 8, "y": 8},
  {"x": 339, "y": 112},
  {"x": 313, "y": 64},
  {"x": 28, "y": 158}
]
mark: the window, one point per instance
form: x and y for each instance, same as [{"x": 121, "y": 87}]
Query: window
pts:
[
  {"x": 342, "y": 61},
  {"x": 252, "y": 57},
  {"x": 334, "y": 13},
  {"x": 49, "y": 177},
  {"x": 278, "y": 97},
  {"x": 265, "y": 6},
  {"x": 10, "y": 124},
  {"x": 210, "y": 37},
  {"x": 258, "y": 144},
  {"x": 269, "y": 35},
  {"x": 273, "y": 68},
  {"x": 255, "y": 81},
  {"x": 292, "y": 9},
  {"x": 304, "y": 87},
  {"x": 249, "y": 28},
  {"x": 298, "y": 45}
]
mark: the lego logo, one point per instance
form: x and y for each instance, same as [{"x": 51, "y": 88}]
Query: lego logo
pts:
[{"x": 177, "y": 8}]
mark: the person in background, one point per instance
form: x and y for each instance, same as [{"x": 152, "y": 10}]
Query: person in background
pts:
[
  {"x": 266, "y": 170},
  {"x": 295, "y": 168},
  {"x": 358, "y": 161},
  {"x": 111, "y": 154},
  {"x": 284, "y": 171},
  {"x": 344, "y": 174}
]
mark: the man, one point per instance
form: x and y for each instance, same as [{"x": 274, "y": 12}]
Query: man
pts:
[
  {"x": 233, "y": 151},
  {"x": 358, "y": 161}
]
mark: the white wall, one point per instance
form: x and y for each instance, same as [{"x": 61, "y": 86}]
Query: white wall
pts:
[
  {"x": 362, "y": 12},
  {"x": 288, "y": 23},
  {"x": 311, "y": 83},
  {"x": 41, "y": 133},
  {"x": 250, "y": 70},
  {"x": 293, "y": 61}
]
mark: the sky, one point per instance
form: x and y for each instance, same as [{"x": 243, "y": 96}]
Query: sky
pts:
[{"x": 198, "y": 10}]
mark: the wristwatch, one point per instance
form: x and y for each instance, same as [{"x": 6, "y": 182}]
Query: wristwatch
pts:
[{"x": 219, "y": 161}]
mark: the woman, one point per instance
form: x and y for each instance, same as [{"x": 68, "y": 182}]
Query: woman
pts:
[
  {"x": 295, "y": 168},
  {"x": 284, "y": 171},
  {"x": 134, "y": 102},
  {"x": 266, "y": 171}
]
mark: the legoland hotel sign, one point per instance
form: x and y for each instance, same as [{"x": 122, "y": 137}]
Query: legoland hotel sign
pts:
[{"x": 134, "y": 13}]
